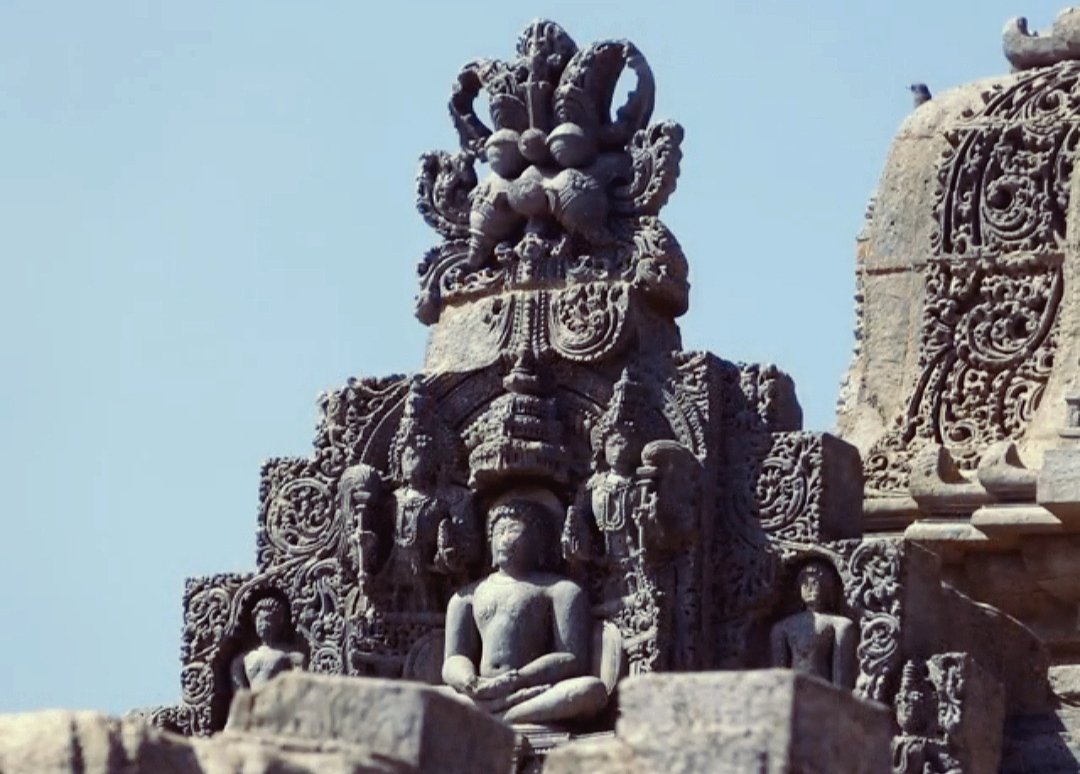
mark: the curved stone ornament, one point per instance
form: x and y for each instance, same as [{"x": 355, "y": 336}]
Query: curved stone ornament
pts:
[
  {"x": 570, "y": 196},
  {"x": 1026, "y": 50},
  {"x": 587, "y": 321}
]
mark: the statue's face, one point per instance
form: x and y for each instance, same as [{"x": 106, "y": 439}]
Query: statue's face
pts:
[
  {"x": 510, "y": 543},
  {"x": 413, "y": 467},
  {"x": 620, "y": 452},
  {"x": 815, "y": 587},
  {"x": 269, "y": 620}
]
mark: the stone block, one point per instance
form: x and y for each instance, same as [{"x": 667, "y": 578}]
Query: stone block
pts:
[
  {"x": 412, "y": 724},
  {"x": 1001, "y": 645},
  {"x": 63, "y": 742},
  {"x": 1058, "y": 486},
  {"x": 773, "y": 720},
  {"x": 809, "y": 487}
]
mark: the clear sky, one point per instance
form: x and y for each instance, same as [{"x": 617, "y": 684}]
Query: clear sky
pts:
[{"x": 206, "y": 217}]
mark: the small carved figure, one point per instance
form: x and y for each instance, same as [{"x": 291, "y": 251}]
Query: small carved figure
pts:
[
  {"x": 816, "y": 641},
  {"x": 916, "y": 749},
  {"x": 358, "y": 488},
  {"x": 517, "y": 641},
  {"x": 641, "y": 497},
  {"x": 274, "y": 654},
  {"x": 613, "y": 492}
]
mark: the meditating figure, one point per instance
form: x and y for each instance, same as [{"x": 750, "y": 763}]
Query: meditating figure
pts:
[
  {"x": 274, "y": 654},
  {"x": 817, "y": 641},
  {"x": 517, "y": 641}
]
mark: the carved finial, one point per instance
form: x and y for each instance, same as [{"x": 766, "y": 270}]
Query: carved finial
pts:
[
  {"x": 526, "y": 377},
  {"x": 1025, "y": 49},
  {"x": 573, "y": 181}
]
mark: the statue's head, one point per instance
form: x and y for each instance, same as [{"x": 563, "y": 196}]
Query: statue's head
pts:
[
  {"x": 914, "y": 703},
  {"x": 521, "y": 535},
  {"x": 620, "y": 433},
  {"x": 270, "y": 616},
  {"x": 413, "y": 447},
  {"x": 816, "y": 582},
  {"x": 622, "y": 448},
  {"x": 416, "y": 460}
]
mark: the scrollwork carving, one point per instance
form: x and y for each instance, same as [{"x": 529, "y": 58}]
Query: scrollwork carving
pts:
[
  {"x": 994, "y": 282},
  {"x": 442, "y": 192},
  {"x": 587, "y": 320},
  {"x": 872, "y": 585}
]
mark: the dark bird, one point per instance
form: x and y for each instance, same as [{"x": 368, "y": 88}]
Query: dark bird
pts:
[{"x": 920, "y": 93}]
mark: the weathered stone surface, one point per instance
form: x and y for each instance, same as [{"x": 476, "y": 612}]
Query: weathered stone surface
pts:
[
  {"x": 768, "y": 721},
  {"x": 1026, "y": 49},
  {"x": 61, "y": 742},
  {"x": 294, "y": 724},
  {"x": 1058, "y": 485},
  {"x": 1048, "y": 743},
  {"x": 655, "y": 511},
  {"x": 413, "y": 725},
  {"x": 971, "y": 710}
]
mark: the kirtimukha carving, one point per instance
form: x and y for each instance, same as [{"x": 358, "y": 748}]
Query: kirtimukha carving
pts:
[
  {"x": 274, "y": 654},
  {"x": 817, "y": 640},
  {"x": 517, "y": 642}
]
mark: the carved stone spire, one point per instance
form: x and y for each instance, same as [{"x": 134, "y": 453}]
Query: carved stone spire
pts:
[{"x": 558, "y": 244}]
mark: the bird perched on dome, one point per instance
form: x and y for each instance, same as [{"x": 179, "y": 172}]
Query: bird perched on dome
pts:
[{"x": 920, "y": 93}]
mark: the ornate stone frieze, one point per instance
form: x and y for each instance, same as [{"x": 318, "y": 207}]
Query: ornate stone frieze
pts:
[{"x": 994, "y": 279}]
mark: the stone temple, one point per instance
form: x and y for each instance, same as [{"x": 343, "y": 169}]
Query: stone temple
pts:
[{"x": 566, "y": 544}]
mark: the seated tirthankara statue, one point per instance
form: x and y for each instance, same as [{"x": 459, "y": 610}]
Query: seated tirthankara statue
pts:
[
  {"x": 274, "y": 654},
  {"x": 817, "y": 641},
  {"x": 517, "y": 641}
]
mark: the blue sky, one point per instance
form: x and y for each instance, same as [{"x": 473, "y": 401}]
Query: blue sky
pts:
[{"x": 206, "y": 217}]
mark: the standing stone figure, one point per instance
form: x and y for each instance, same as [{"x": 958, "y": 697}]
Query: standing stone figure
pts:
[
  {"x": 816, "y": 641},
  {"x": 517, "y": 641},
  {"x": 274, "y": 654},
  {"x": 613, "y": 493},
  {"x": 432, "y": 522}
]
